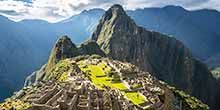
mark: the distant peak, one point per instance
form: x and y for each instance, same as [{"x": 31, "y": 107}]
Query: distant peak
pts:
[
  {"x": 117, "y": 6},
  {"x": 94, "y": 10},
  {"x": 174, "y": 7}
]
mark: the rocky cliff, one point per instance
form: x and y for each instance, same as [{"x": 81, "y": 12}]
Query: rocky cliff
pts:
[{"x": 163, "y": 56}]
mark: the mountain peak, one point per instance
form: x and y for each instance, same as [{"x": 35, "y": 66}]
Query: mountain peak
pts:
[
  {"x": 114, "y": 19},
  {"x": 64, "y": 40},
  {"x": 117, "y": 9},
  {"x": 174, "y": 7},
  {"x": 117, "y": 6},
  {"x": 114, "y": 11},
  {"x": 64, "y": 48}
]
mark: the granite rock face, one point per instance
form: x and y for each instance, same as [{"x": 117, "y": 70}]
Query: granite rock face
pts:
[{"x": 163, "y": 56}]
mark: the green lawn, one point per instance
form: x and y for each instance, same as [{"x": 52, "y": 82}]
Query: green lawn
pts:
[
  {"x": 135, "y": 97},
  {"x": 100, "y": 79}
]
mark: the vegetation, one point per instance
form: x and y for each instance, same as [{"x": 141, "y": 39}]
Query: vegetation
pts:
[
  {"x": 14, "y": 105},
  {"x": 135, "y": 97},
  {"x": 80, "y": 57},
  {"x": 59, "y": 72},
  {"x": 90, "y": 47},
  {"x": 63, "y": 77},
  {"x": 96, "y": 56},
  {"x": 135, "y": 86},
  {"x": 189, "y": 102},
  {"x": 99, "y": 75},
  {"x": 63, "y": 49}
]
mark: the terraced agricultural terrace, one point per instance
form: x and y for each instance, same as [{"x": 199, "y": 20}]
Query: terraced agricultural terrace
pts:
[{"x": 98, "y": 72}]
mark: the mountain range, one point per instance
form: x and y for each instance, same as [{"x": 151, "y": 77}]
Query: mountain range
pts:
[
  {"x": 27, "y": 43},
  {"x": 25, "y": 46},
  {"x": 121, "y": 67}
]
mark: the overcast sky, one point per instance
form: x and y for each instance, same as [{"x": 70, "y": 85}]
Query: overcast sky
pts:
[{"x": 56, "y": 10}]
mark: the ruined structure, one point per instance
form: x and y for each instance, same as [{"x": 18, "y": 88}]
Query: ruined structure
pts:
[{"x": 80, "y": 91}]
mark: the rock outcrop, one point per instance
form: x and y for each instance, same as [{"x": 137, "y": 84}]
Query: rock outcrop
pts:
[{"x": 163, "y": 56}]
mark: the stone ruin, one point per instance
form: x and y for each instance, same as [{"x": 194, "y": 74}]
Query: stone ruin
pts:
[
  {"x": 78, "y": 93},
  {"x": 74, "y": 96},
  {"x": 149, "y": 86}
]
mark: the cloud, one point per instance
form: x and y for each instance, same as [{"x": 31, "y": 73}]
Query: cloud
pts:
[
  {"x": 28, "y": 1},
  {"x": 209, "y": 4},
  {"x": 56, "y": 10},
  {"x": 9, "y": 12}
]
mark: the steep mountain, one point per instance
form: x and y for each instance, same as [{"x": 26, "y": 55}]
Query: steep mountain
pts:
[
  {"x": 163, "y": 56},
  {"x": 82, "y": 82},
  {"x": 63, "y": 49},
  {"x": 197, "y": 29},
  {"x": 27, "y": 44}
]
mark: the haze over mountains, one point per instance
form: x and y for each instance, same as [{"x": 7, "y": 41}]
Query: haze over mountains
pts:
[{"x": 26, "y": 44}]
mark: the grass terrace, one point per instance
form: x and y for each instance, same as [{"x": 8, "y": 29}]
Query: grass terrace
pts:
[
  {"x": 190, "y": 102},
  {"x": 135, "y": 97},
  {"x": 98, "y": 74}
]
